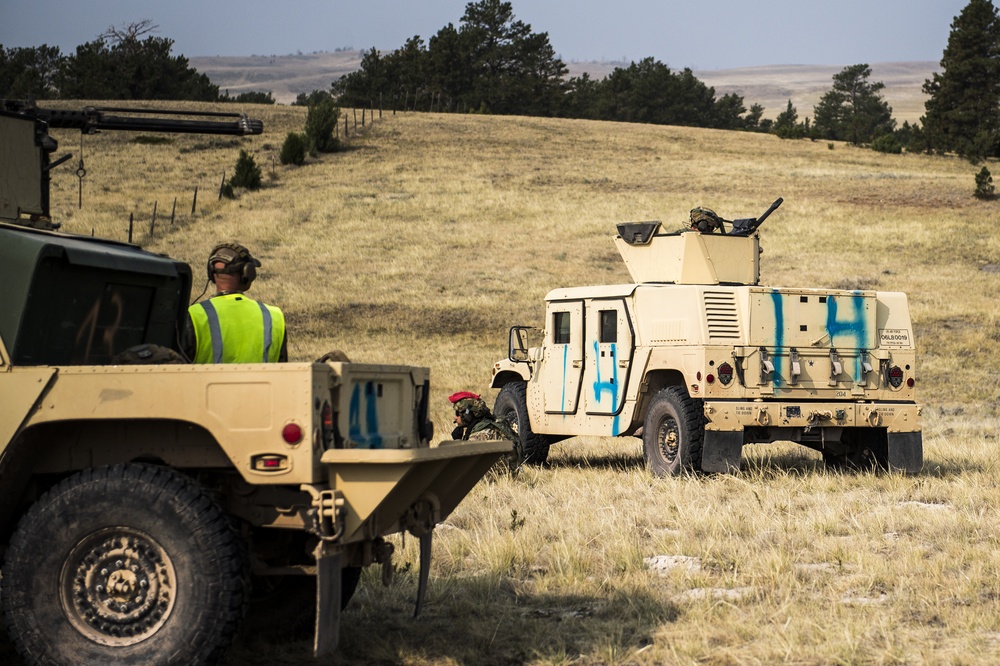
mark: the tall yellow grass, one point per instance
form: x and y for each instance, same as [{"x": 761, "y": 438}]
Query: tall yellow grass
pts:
[{"x": 431, "y": 234}]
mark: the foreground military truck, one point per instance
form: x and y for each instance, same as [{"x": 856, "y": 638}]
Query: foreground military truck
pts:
[
  {"x": 697, "y": 358},
  {"x": 139, "y": 500}
]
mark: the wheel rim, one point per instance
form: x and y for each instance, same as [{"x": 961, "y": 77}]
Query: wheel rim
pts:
[
  {"x": 668, "y": 439},
  {"x": 510, "y": 418},
  {"x": 118, "y": 586}
]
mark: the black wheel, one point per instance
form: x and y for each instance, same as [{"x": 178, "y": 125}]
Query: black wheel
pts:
[
  {"x": 673, "y": 432},
  {"x": 511, "y": 406},
  {"x": 130, "y": 564},
  {"x": 866, "y": 449}
]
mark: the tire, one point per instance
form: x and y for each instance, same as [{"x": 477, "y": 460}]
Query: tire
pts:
[
  {"x": 673, "y": 433},
  {"x": 511, "y": 406},
  {"x": 129, "y": 564},
  {"x": 867, "y": 451}
]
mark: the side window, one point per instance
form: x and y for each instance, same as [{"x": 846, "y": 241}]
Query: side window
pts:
[
  {"x": 609, "y": 326},
  {"x": 560, "y": 328}
]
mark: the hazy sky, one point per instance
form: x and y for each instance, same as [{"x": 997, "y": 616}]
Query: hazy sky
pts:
[{"x": 702, "y": 35}]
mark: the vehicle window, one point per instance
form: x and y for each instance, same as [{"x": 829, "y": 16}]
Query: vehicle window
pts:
[
  {"x": 609, "y": 326},
  {"x": 560, "y": 328}
]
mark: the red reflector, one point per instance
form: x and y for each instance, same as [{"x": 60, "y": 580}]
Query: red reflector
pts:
[
  {"x": 910, "y": 382},
  {"x": 291, "y": 433},
  {"x": 271, "y": 462},
  {"x": 710, "y": 378}
]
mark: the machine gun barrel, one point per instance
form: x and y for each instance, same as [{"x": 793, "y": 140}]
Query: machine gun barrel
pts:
[
  {"x": 747, "y": 225},
  {"x": 774, "y": 207},
  {"x": 92, "y": 119},
  {"x": 25, "y": 143}
]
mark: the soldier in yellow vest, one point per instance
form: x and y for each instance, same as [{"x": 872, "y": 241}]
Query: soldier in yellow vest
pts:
[{"x": 230, "y": 327}]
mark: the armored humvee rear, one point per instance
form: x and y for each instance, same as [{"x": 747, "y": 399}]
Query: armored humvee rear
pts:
[
  {"x": 139, "y": 497},
  {"x": 698, "y": 359}
]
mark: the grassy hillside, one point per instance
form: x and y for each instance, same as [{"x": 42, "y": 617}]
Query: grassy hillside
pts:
[
  {"x": 431, "y": 234},
  {"x": 286, "y": 76}
]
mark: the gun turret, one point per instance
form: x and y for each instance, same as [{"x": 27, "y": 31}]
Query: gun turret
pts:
[
  {"x": 689, "y": 257},
  {"x": 26, "y": 145}
]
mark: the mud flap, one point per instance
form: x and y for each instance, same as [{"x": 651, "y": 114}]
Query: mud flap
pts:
[
  {"x": 906, "y": 452},
  {"x": 328, "y": 598},
  {"x": 425, "y": 567},
  {"x": 721, "y": 451}
]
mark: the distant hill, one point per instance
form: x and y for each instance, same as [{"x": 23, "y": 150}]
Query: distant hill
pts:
[
  {"x": 283, "y": 76},
  {"x": 771, "y": 86}
]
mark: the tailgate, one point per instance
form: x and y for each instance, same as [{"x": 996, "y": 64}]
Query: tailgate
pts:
[
  {"x": 380, "y": 406},
  {"x": 814, "y": 341}
]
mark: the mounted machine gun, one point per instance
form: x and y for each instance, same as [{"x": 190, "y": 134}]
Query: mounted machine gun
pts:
[{"x": 26, "y": 146}]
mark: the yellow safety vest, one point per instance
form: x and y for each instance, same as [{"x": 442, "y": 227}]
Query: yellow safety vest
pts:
[{"x": 235, "y": 329}]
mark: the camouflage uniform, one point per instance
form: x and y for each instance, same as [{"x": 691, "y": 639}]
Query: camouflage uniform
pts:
[{"x": 478, "y": 424}]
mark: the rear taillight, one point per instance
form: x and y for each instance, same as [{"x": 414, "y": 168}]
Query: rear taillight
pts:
[
  {"x": 291, "y": 433},
  {"x": 326, "y": 416},
  {"x": 895, "y": 376}
]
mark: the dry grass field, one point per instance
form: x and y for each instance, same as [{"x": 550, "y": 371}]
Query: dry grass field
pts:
[{"x": 429, "y": 235}]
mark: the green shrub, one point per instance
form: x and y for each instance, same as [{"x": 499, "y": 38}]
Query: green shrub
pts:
[
  {"x": 984, "y": 185},
  {"x": 887, "y": 143},
  {"x": 293, "y": 150},
  {"x": 321, "y": 121},
  {"x": 247, "y": 173}
]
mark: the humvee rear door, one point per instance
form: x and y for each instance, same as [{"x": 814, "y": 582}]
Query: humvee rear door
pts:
[{"x": 609, "y": 338}]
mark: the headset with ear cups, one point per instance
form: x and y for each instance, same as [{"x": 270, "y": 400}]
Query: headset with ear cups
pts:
[{"x": 237, "y": 260}]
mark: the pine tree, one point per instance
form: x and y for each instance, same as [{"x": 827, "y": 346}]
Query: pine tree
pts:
[
  {"x": 963, "y": 112},
  {"x": 853, "y": 110},
  {"x": 984, "y": 185},
  {"x": 787, "y": 126},
  {"x": 247, "y": 173}
]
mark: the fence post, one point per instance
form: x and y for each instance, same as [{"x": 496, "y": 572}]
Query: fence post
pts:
[
  {"x": 345, "y": 127},
  {"x": 152, "y": 223},
  {"x": 222, "y": 184},
  {"x": 172, "y": 211},
  {"x": 130, "y": 217},
  {"x": 194, "y": 201}
]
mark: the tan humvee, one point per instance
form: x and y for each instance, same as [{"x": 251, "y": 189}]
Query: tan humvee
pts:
[
  {"x": 698, "y": 359},
  {"x": 143, "y": 502}
]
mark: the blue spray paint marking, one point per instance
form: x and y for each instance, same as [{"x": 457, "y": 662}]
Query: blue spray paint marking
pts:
[
  {"x": 371, "y": 439},
  {"x": 845, "y": 331},
  {"x": 611, "y": 386},
  {"x": 851, "y": 331},
  {"x": 562, "y": 404},
  {"x": 779, "y": 335}
]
